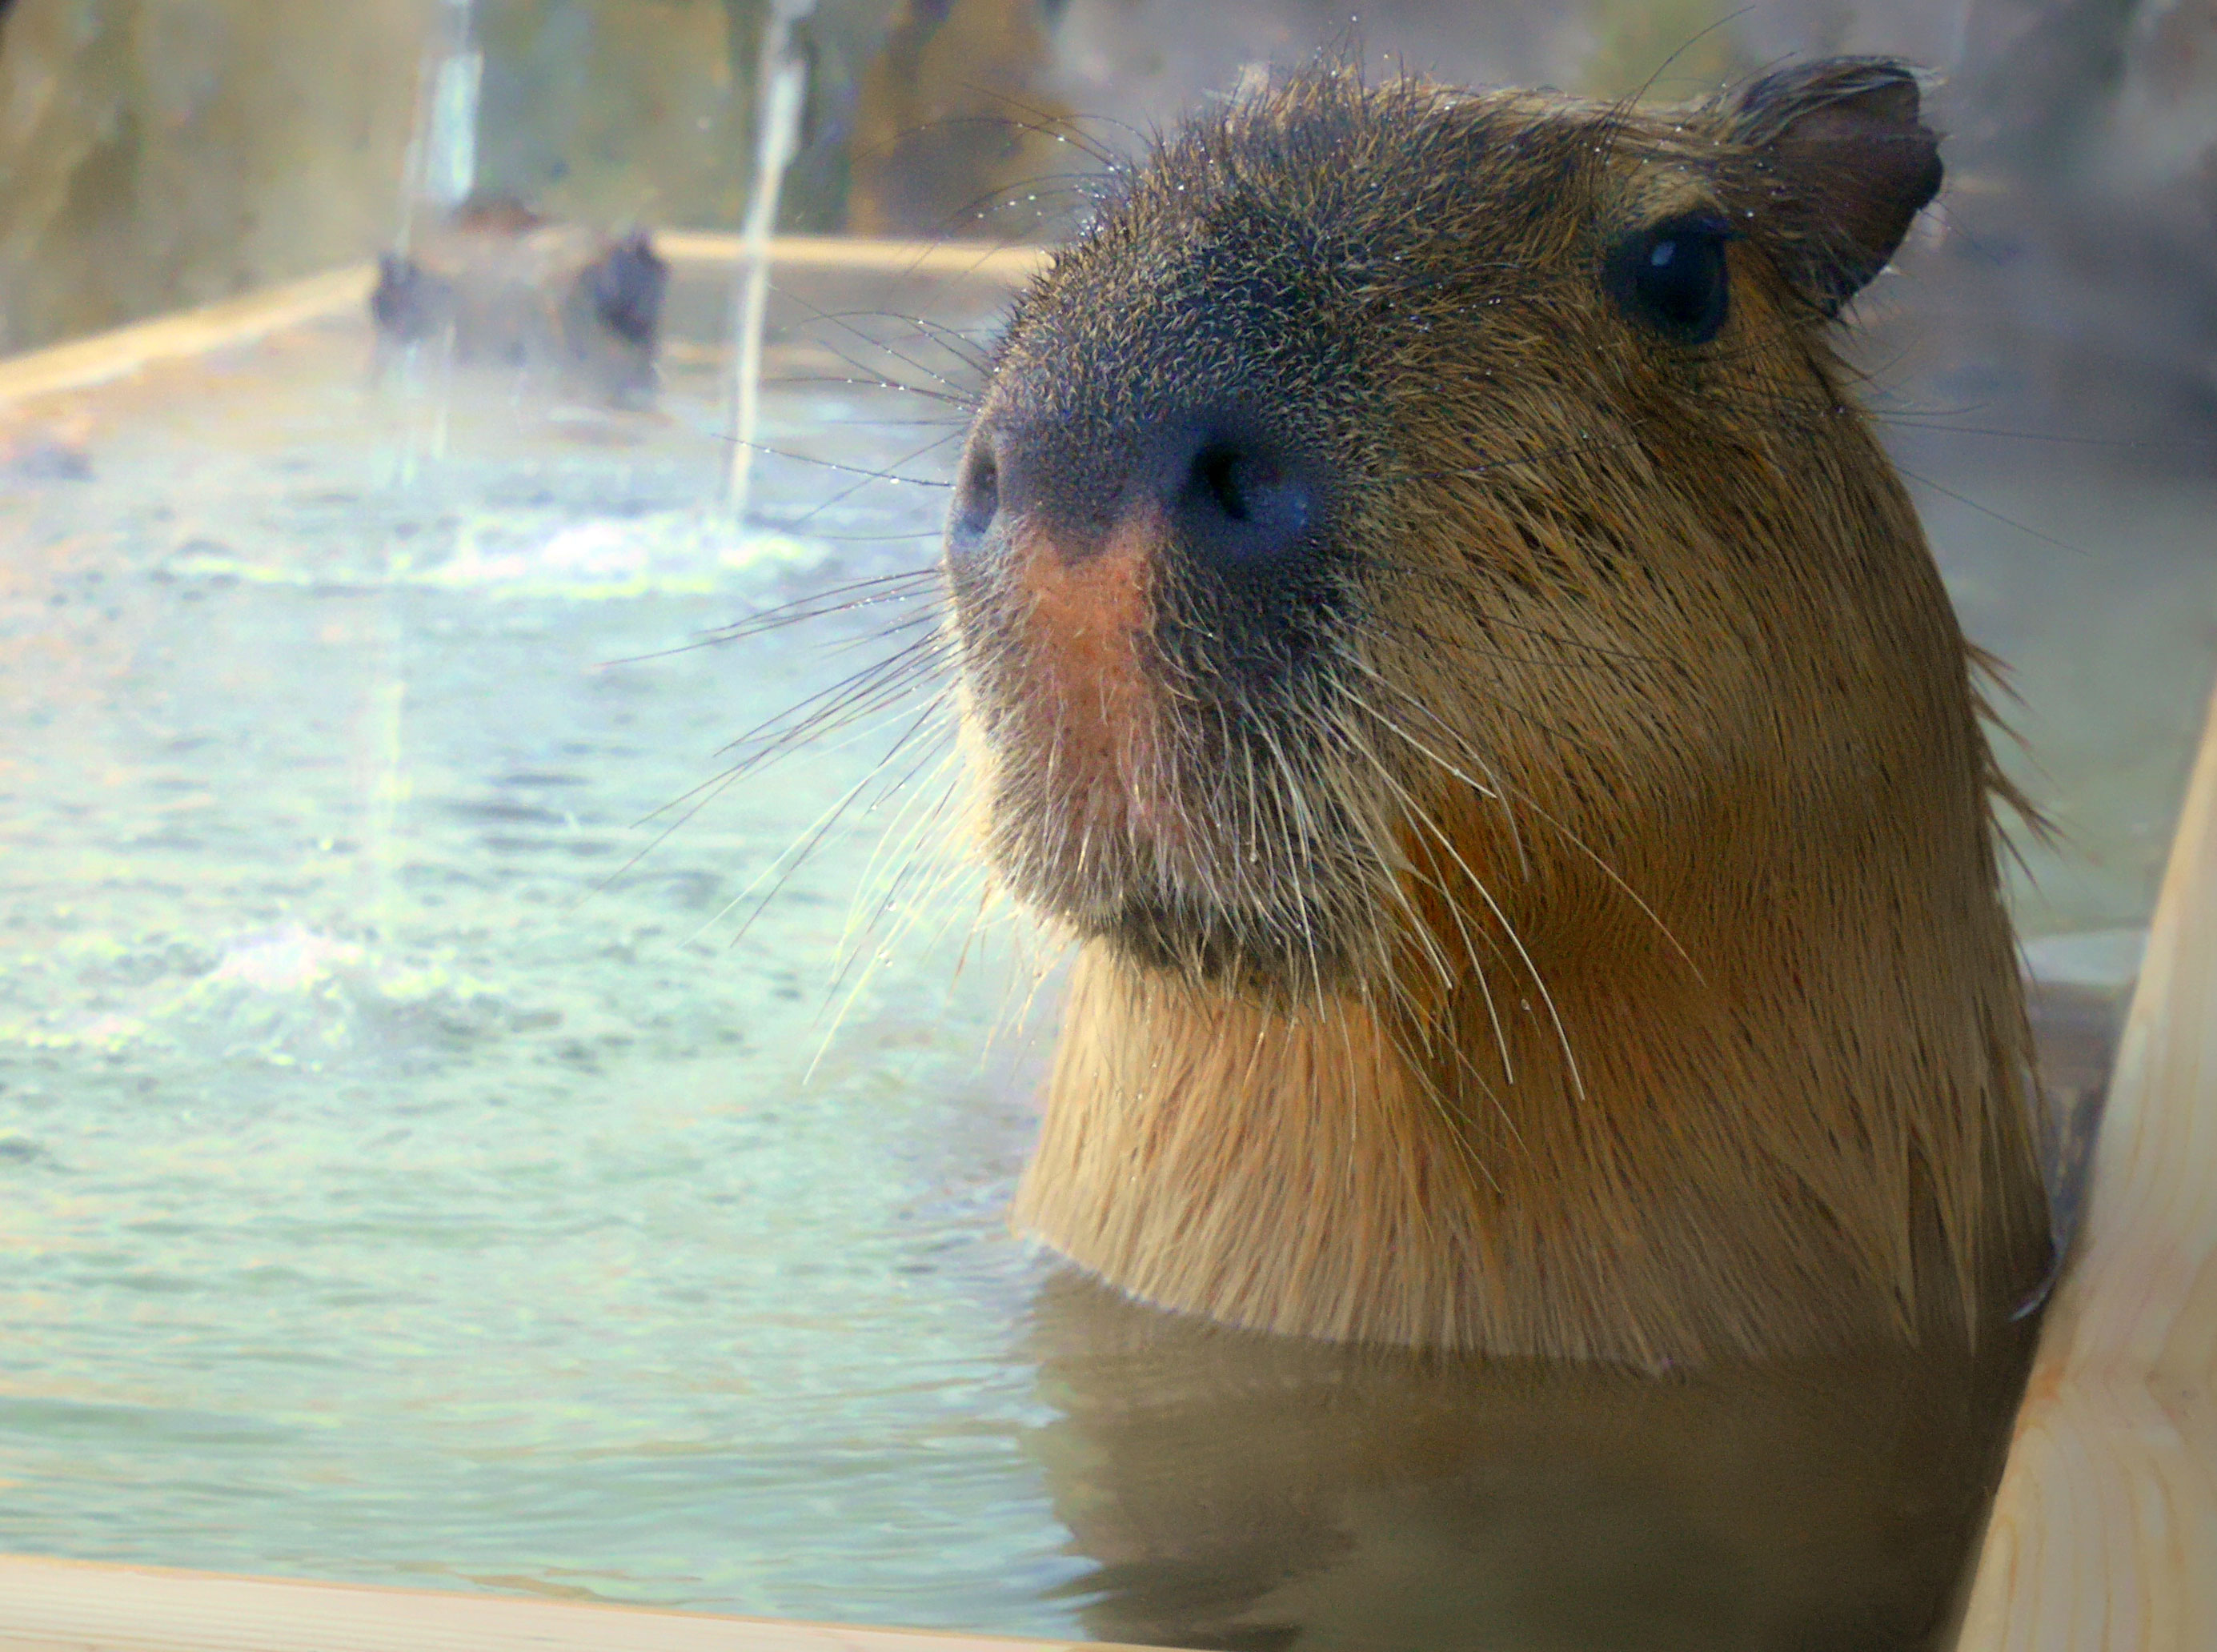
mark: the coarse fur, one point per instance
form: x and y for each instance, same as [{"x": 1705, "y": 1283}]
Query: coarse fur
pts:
[{"x": 1552, "y": 909}]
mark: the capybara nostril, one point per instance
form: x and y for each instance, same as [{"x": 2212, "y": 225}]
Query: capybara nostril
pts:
[
  {"x": 1231, "y": 502},
  {"x": 1241, "y": 506},
  {"x": 977, "y": 501}
]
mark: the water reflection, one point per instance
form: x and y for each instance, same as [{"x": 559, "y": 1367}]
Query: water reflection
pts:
[{"x": 1236, "y": 1490}]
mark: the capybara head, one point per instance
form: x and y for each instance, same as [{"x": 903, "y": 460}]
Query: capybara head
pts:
[
  {"x": 501, "y": 286},
  {"x": 1406, "y": 514}
]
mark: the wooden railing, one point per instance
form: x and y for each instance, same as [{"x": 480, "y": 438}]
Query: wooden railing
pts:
[{"x": 84, "y": 362}]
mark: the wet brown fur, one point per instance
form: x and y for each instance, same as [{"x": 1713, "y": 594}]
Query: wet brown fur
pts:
[{"x": 1597, "y": 949}]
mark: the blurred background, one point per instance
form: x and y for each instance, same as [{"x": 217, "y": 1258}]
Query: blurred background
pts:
[
  {"x": 155, "y": 153},
  {"x": 459, "y": 1124}
]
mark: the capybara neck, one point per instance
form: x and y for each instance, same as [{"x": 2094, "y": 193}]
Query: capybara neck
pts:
[
  {"x": 1652, "y": 1129},
  {"x": 1437, "y": 629}
]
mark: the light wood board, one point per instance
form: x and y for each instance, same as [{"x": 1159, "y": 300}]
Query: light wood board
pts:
[
  {"x": 58, "y": 1606},
  {"x": 2104, "y": 1536},
  {"x": 983, "y": 259},
  {"x": 104, "y": 357}
]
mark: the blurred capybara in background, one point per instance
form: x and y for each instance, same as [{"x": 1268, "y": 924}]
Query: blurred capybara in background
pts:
[{"x": 513, "y": 289}]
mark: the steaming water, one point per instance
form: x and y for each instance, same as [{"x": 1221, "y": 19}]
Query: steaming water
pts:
[{"x": 385, "y": 1193}]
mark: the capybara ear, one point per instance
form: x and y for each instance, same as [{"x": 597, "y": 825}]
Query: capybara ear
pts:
[
  {"x": 627, "y": 285},
  {"x": 407, "y": 302},
  {"x": 1834, "y": 163}
]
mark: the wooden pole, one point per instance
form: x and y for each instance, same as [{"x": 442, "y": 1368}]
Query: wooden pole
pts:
[{"x": 2103, "y": 1537}]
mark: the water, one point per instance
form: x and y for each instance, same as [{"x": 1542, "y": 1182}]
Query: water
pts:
[
  {"x": 396, "y": 1183},
  {"x": 387, "y": 1195}
]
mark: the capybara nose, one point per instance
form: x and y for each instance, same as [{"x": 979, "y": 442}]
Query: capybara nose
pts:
[{"x": 1230, "y": 505}]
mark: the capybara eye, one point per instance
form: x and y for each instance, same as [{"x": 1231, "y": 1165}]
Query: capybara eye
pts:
[{"x": 1674, "y": 277}]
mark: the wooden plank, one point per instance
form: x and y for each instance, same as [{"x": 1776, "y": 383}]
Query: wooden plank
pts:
[
  {"x": 982, "y": 259},
  {"x": 57, "y": 1605},
  {"x": 83, "y": 362},
  {"x": 2103, "y": 1537}
]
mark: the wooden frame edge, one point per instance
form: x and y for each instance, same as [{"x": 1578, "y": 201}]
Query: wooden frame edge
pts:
[{"x": 2103, "y": 1536}]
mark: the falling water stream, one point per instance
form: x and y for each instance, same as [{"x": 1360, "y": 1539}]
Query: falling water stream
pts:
[
  {"x": 443, "y": 166},
  {"x": 782, "y": 76}
]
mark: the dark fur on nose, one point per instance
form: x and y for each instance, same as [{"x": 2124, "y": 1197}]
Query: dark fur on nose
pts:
[{"x": 1241, "y": 517}]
